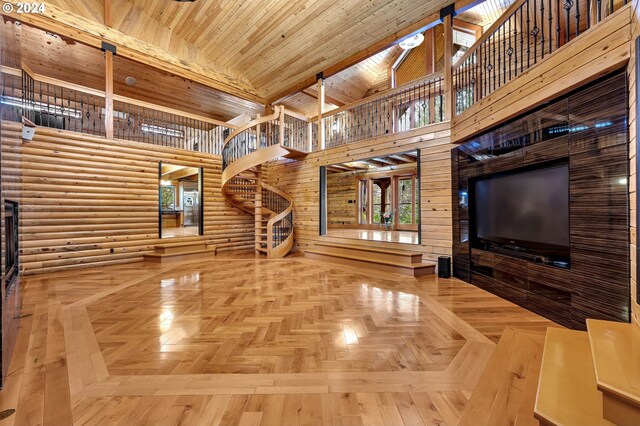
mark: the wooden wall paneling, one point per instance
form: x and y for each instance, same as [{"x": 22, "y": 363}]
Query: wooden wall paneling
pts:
[
  {"x": 301, "y": 180},
  {"x": 414, "y": 64},
  {"x": 460, "y": 215},
  {"x": 599, "y": 202},
  {"x": 341, "y": 199},
  {"x": 511, "y": 279},
  {"x": 88, "y": 201},
  {"x": 550, "y": 292}
]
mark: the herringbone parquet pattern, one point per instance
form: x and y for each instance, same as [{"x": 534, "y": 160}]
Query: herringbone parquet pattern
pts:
[
  {"x": 243, "y": 340},
  {"x": 287, "y": 318}
]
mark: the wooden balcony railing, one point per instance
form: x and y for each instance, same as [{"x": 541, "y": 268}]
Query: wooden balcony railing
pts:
[
  {"x": 396, "y": 110},
  {"x": 524, "y": 35},
  {"x": 58, "y": 104}
]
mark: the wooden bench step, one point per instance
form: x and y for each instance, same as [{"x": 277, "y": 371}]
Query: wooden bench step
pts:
[
  {"x": 567, "y": 392},
  {"x": 355, "y": 260},
  {"x": 180, "y": 247},
  {"x": 615, "y": 348},
  {"x": 181, "y": 256},
  {"x": 373, "y": 252}
]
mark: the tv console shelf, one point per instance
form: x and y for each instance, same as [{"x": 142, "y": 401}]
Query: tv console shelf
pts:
[{"x": 588, "y": 130}]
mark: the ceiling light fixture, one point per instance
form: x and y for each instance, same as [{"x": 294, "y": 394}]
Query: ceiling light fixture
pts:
[
  {"x": 131, "y": 81},
  {"x": 411, "y": 42}
]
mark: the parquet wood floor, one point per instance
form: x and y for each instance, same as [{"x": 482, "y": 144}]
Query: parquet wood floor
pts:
[{"x": 243, "y": 340}]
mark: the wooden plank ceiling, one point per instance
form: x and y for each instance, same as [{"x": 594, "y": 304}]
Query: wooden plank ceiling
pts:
[
  {"x": 76, "y": 63},
  {"x": 272, "y": 44},
  {"x": 485, "y": 13},
  {"x": 352, "y": 84}
]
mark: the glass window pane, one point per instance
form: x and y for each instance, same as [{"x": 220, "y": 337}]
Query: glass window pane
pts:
[
  {"x": 377, "y": 215},
  {"x": 404, "y": 214}
]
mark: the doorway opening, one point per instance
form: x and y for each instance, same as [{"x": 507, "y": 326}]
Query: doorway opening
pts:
[
  {"x": 181, "y": 206},
  {"x": 374, "y": 199}
]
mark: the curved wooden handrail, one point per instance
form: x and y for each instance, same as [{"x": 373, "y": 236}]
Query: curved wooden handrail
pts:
[
  {"x": 253, "y": 123},
  {"x": 492, "y": 29},
  {"x": 248, "y": 161}
]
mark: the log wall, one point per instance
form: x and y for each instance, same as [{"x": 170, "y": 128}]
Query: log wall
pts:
[{"x": 87, "y": 201}]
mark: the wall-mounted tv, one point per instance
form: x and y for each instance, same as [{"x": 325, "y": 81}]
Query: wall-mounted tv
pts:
[{"x": 524, "y": 212}]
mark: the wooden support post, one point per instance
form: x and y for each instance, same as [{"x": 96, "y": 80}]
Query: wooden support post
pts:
[
  {"x": 309, "y": 137},
  {"x": 108, "y": 16},
  {"x": 321, "y": 126},
  {"x": 108, "y": 95},
  {"x": 258, "y": 134},
  {"x": 449, "y": 97},
  {"x": 281, "y": 126},
  {"x": 258, "y": 211}
]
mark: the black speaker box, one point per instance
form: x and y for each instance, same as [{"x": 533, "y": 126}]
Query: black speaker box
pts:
[{"x": 444, "y": 267}]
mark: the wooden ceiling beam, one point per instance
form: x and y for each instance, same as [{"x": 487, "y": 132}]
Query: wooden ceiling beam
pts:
[
  {"x": 83, "y": 30},
  {"x": 387, "y": 160},
  {"x": 393, "y": 39},
  {"x": 403, "y": 158},
  {"x": 329, "y": 99}
]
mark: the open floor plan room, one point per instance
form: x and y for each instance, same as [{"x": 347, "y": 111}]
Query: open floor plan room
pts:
[{"x": 393, "y": 212}]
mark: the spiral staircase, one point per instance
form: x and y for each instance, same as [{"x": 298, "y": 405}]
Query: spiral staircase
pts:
[{"x": 283, "y": 134}]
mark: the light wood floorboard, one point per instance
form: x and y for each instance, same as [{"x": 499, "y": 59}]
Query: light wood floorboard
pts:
[{"x": 241, "y": 340}]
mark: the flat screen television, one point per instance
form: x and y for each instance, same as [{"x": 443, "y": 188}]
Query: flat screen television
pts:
[{"x": 524, "y": 212}]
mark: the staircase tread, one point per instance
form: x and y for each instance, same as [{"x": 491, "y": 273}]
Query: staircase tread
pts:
[
  {"x": 614, "y": 347},
  {"x": 516, "y": 359},
  {"x": 423, "y": 264},
  {"x": 370, "y": 248},
  {"x": 567, "y": 393}
]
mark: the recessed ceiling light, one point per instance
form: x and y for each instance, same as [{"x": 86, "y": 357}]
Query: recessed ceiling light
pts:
[
  {"x": 411, "y": 42},
  {"x": 131, "y": 81}
]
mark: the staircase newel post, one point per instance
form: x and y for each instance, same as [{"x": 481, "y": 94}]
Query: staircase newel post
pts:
[{"x": 258, "y": 210}]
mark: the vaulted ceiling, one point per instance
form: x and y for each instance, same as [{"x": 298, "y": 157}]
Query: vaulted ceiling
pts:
[
  {"x": 271, "y": 44},
  {"x": 76, "y": 63}
]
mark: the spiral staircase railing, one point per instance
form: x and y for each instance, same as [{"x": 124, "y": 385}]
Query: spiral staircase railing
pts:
[{"x": 283, "y": 134}]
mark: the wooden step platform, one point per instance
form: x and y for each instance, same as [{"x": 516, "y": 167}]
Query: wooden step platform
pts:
[
  {"x": 615, "y": 348},
  {"x": 506, "y": 391},
  {"x": 567, "y": 393},
  {"x": 180, "y": 251},
  {"x": 384, "y": 259}
]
